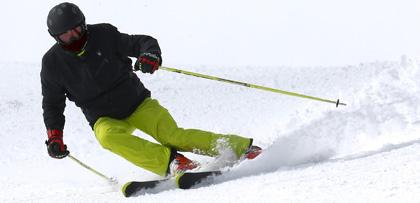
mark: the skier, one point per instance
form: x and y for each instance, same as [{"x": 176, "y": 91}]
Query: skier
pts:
[{"x": 90, "y": 65}]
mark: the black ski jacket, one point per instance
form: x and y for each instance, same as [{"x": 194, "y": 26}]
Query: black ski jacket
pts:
[{"x": 101, "y": 81}]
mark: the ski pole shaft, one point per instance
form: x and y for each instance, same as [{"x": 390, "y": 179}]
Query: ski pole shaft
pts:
[
  {"x": 337, "y": 102},
  {"x": 91, "y": 169}
]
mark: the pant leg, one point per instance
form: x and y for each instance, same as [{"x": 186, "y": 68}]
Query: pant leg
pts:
[
  {"x": 116, "y": 136},
  {"x": 153, "y": 119}
]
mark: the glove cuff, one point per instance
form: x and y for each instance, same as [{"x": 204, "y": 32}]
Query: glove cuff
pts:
[{"x": 54, "y": 134}]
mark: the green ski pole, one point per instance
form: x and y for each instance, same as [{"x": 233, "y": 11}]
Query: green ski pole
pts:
[
  {"x": 337, "y": 102},
  {"x": 110, "y": 180}
]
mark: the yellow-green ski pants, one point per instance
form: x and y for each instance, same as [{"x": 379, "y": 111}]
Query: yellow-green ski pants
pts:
[{"x": 153, "y": 119}]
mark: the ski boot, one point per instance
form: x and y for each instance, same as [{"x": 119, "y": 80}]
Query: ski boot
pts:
[
  {"x": 252, "y": 152},
  {"x": 180, "y": 164}
]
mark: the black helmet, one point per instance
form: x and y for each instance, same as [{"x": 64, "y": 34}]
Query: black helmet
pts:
[{"x": 63, "y": 17}]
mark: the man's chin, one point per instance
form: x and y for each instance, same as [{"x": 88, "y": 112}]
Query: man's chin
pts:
[{"x": 76, "y": 45}]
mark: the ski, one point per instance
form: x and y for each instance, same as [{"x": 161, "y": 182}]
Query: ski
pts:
[
  {"x": 184, "y": 181},
  {"x": 131, "y": 188},
  {"x": 190, "y": 179}
]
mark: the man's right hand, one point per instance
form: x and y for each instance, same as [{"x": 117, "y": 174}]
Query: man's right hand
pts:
[{"x": 55, "y": 145}]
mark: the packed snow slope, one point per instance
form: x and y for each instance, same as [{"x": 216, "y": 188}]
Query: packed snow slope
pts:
[
  {"x": 364, "y": 53},
  {"x": 366, "y": 151}
]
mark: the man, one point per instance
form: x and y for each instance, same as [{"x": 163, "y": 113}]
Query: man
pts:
[{"x": 90, "y": 65}]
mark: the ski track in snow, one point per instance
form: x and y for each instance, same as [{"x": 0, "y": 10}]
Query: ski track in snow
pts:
[{"x": 301, "y": 137}]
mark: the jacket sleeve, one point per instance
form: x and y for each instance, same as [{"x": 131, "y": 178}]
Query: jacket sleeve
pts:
[
  {"x": 53, "y": 99},
  {"x": 134, "y": 45}
]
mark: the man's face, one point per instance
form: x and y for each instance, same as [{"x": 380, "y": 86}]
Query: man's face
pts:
[{"x": 71, "y": 35}]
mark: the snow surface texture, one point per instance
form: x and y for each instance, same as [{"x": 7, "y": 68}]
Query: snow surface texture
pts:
[{"x": 368, "y": 151}]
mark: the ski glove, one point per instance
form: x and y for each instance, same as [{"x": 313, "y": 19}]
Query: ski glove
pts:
[
  {"x": 56, "y": 148},
  {"x": 148, "y": 62}
]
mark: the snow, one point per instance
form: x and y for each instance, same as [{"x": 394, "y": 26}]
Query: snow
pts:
[{"x": 364, "y": 53}]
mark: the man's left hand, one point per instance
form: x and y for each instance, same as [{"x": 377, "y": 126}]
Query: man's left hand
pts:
[{"x": 148, "y": 63}]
